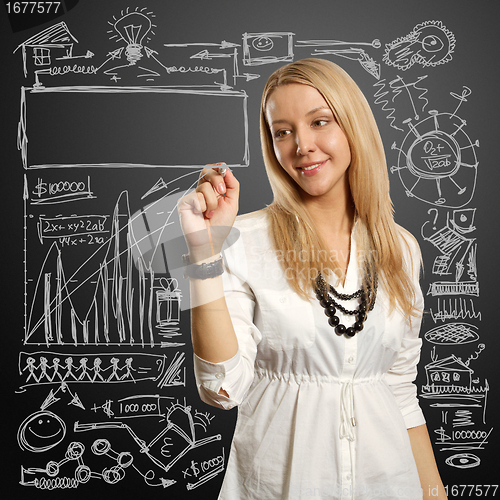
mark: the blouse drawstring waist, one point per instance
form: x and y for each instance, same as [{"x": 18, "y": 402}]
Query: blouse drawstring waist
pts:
[{"x": 347, "y": 420}]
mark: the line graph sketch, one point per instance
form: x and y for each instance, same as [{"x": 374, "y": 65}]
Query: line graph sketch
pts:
[{"x": 129, "y": 302}]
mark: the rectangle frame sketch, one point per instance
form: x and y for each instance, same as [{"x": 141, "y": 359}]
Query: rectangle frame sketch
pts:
[
  {"x": 267, "y": 48},
  {"x": 135, "y": 125}
]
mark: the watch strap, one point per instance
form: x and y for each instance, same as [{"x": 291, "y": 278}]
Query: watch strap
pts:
[{"x": 202, "y": 271}]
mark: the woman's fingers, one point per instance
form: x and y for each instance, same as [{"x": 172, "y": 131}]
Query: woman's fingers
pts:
[
  {"x": 232, "y": 185},
  {"x": 217, "y": 188},
  {"x": 212, "y": 186},
  {"x": 201, "y": 204},
  {"x": 210, "y": 198},
  {"x": 214, "y": 178},
  {"x": 207, "y": 208},
  {"x": 193, "y": 203}
]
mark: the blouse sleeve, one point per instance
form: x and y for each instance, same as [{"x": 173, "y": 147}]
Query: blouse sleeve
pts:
[
  {"x": 236, "y": 374},
  {"x": 401, "y": 376}
]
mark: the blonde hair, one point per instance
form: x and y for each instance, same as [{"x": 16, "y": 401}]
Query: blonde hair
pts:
[{"x": 377, "y": 236}]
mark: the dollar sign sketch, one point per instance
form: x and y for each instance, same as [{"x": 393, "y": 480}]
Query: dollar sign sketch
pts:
[
  {"x": 40, "y": 188},
  {"x": 195, "y": 469}
]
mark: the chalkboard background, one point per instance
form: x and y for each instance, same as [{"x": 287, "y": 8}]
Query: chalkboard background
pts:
[{"x": 109, "y": 110}]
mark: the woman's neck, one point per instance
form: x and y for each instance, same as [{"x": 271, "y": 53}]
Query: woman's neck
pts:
[
  {"x": 332, "y": 216},
  {"x": 333, "y": 220}
]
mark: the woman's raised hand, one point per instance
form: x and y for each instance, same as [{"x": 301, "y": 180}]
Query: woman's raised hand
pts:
[{"x": 207, "y": 214}]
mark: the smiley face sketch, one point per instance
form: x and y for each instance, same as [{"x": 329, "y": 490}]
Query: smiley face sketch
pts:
[
  {"x": 262, "y": 43},
  {"x": 41, "y": 431}
]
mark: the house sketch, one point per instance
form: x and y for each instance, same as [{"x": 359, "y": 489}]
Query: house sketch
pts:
[
  {"x": 42, "y": 49},
  {"x": 450, "y": 375}
]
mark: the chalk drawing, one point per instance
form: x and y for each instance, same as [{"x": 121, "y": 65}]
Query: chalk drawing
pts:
[
  {"x": 353, "y": 53},
  {"x": 64, "y": 191},
  {"x": 179, "y": 424},
  {"x": 267, "y": 48},
  {"x": 204, "y": 470},
  {"x": 412, "y": 91},
  {"x": 135, "y": 29},
  {"x": 121, "y": 259},
  {"x": 461, "y": 397},
  {"x": 463, "y": 460},
  {"x": 114, "y": 295},
  {"x": 428, "y": 44},
  {"x": 452, "y": 333},
  {"x": 41, "y": 431},
  {"x": 44, "y": 47},
  {"x": 458, "y": 308},
  {"x": 437, "y": 161},
  {"x": 454, "y": 247},
  {"x": 164, "y": 94},
  {"x": 52, "y": 368}
]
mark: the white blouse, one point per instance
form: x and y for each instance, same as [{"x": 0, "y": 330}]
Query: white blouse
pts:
[{"x": 319, "y": 415}]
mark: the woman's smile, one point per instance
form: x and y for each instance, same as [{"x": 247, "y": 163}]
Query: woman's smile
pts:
[{"x": 310, "y": 169}]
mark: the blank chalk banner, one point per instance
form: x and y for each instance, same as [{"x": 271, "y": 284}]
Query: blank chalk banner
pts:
[{"x": 132, "y": 127}]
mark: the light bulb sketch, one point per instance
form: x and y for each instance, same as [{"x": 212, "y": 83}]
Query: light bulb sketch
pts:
[{"x": 132, "y": 28}]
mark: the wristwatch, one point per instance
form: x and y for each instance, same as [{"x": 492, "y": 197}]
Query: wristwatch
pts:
[{"x": 202, "y": 271}]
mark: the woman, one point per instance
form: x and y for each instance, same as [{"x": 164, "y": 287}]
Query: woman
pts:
[{"x": 324, "y": 400}]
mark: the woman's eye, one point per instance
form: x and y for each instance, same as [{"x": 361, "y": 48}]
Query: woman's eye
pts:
[
  {"x": 281, "y": 133},
  {"x": 319, "y": 123}
]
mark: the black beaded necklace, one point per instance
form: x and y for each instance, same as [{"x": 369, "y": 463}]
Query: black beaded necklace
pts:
[{"x": 331, "y": 305}]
